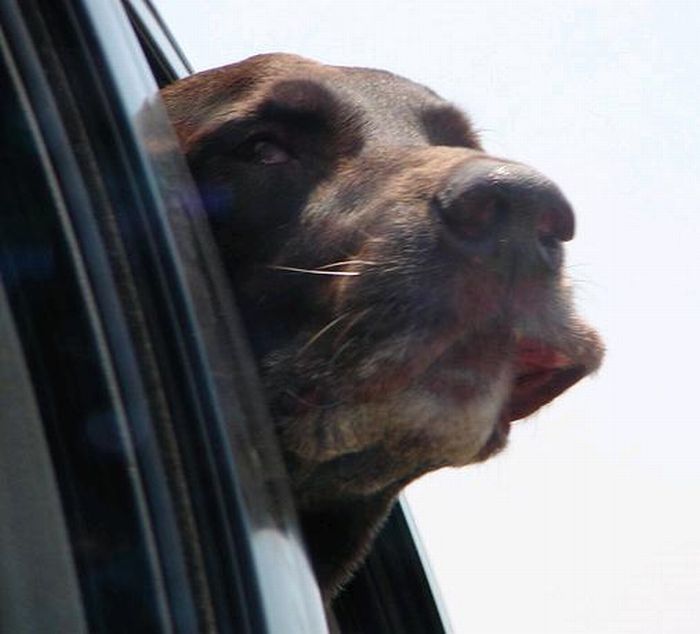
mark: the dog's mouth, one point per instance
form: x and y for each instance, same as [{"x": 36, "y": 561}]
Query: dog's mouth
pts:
[
  {"x": 451, "y": 408},
  {"x": 541, "y": 373},
  {"x": 459, "y": 397}
]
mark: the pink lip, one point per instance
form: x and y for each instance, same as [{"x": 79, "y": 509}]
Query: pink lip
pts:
[
  {"x": 537, "y": 356},
  {"x": 541, "y": 373}
]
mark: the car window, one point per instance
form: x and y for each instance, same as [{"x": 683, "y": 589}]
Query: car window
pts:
[{"x": 173, "y": 496}]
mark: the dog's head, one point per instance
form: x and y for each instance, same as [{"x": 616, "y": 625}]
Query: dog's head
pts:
[{"x": 402, "y": 288}]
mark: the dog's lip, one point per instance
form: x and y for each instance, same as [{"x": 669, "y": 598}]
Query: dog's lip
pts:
[{"x": 541, "y": 373}]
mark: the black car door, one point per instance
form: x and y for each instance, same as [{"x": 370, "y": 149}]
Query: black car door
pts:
[{"x": 160, "y": 472}]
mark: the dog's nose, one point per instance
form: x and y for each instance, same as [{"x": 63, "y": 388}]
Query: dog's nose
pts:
[{"x": 488, "y": 206}]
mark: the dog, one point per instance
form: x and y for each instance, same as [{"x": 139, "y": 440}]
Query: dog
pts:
[{"x": 403, "y": 289}]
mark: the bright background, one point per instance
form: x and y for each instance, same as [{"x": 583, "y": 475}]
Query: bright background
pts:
[{"x": 589, "y": 523}]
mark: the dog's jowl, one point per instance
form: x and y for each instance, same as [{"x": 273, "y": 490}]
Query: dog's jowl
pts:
[{"x": 403, "y": 289}]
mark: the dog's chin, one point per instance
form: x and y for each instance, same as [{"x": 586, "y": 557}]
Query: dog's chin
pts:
[{"x": 360, "y": 449}]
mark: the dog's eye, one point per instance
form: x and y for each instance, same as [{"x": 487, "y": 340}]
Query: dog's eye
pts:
[{"x": 265, "y": 151}]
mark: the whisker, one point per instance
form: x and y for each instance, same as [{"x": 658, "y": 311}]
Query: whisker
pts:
[
  {"x": 334, "y": 264},
  {"x": 294, "y": 269},
  {"x": 357, "y": 317},
  {"x": 321, "y": 332},
  {"x": 343, "y": 334}
]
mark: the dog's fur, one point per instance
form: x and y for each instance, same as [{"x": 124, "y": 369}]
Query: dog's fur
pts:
[{"x": 402, "y": 288}]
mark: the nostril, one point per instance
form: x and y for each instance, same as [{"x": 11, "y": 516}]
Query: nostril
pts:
[
  {"x": 477, "y": 223},
  {"x": 555, "y": 223},
  {"x": 473, "y": 216}
]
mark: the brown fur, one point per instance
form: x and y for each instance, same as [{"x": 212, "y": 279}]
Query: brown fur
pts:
[{"x": 403, "y": 289}]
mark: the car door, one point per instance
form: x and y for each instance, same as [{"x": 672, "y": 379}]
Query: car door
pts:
[{"x": 160, "y": 474}]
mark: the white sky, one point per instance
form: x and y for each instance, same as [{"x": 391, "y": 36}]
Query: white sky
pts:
[{"x": 589, "y": 523}]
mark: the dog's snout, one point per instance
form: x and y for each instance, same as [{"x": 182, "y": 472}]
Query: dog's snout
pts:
[{"x": 489, "y": 205}]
